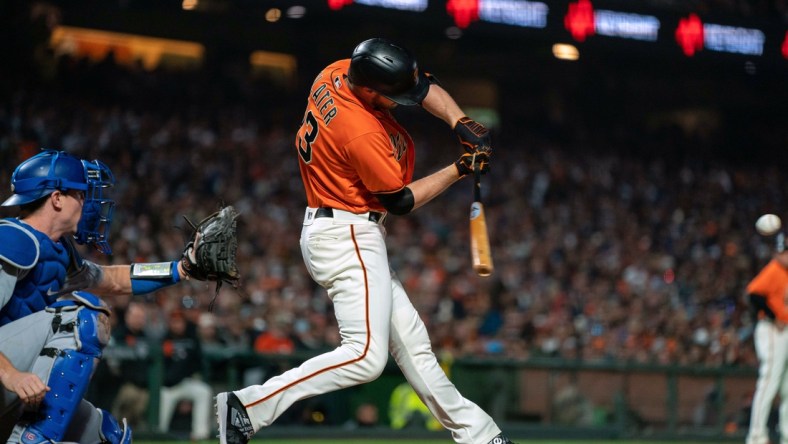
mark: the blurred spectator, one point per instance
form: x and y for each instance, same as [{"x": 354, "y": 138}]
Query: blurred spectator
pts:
[
  {"x": 365, "y": 417},
  {"x": 407, "y": 411},
  {"x": 276, "y": 338},
  {"x": 183, "y": 363},
  {"x": 707, "y": 412},
  {"x": 571, "y": 408},
  {"x": 208, "y": 333},
  {"x": 235, "y": 334},
  {"x": 130, "y": 352}
]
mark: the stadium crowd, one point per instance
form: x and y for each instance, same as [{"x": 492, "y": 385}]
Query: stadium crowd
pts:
[{"x": 600, "y": 255}]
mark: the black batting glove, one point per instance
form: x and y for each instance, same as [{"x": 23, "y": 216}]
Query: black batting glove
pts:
[
  {"x": 473, "y": 135},
  {"x": 466, "y": 163}
]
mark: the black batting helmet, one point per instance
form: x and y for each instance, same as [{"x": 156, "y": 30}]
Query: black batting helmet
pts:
[{"x": 389, "y": 70}]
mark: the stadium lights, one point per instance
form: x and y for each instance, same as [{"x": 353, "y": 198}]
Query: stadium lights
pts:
[
  {"x": 273, "y": 15},
  {"x": 565, "y": 51},
  {"x": 514, "y": 12},
  {"x": 405, "y": 5},
  {"x": 627, "y": 25},
  {"x": 784, "y": 46},
  {"x": 129, "y": 49},
  {"x": 733, "y": 39},
  {"x": 693, "y": 35},
  {"x": 529, "y": 14},
  {"x": 453, "y": 32},
  {"x": 296, "y": 12},
  {"x": 583, "y": 21}
]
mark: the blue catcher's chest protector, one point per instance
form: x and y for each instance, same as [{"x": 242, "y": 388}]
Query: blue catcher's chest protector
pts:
[{"x": 39, "y": 287}]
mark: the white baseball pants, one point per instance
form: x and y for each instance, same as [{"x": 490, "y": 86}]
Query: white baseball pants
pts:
[
  {"x": 771, "y": 345},
  {"x": 201, "y": 396},
  {"x": 347, "y": 255}
]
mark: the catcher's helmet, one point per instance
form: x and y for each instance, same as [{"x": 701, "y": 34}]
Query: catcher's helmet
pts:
[
  {"x": 44, "y": 173},
  {"x": 52, "y": 170},
  {"x": 390, "y": 70}
]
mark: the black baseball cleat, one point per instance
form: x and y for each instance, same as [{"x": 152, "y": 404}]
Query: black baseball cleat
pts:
[
  {"x": 235, "y": 427},
  {"x": 500, "y": 439}
]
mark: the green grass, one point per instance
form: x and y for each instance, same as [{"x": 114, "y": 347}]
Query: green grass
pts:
[
  {"x": 408, "y": 441},
  {"x": 431, "y": 441}
]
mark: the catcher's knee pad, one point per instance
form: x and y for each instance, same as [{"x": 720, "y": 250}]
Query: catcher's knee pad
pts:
[
  {"x": 92, "y": 328},
  {"x": 111, "y": 431},
  {"x": 67, "y": 383}
]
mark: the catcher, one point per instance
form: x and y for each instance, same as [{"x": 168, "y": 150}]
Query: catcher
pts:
[{"x": 51, "y": 331}]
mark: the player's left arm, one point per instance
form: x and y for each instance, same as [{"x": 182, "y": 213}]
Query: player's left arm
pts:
[
  {"x": 117, "y": 280},
  {"x": 139, "y": 278},
  {"x": 471, "y": 134},
  {"x": 441, "y": 104},
  {"x": 209, "y": 255}
]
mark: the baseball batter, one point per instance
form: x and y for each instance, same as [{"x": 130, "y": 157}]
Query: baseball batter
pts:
[
  {"x": 51, "y": 334},
  {"x": 357, "y": 165},
  {"x": 768, "y": 293}
]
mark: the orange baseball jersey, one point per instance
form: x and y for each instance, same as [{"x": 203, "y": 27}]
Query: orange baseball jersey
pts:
[
  {"x": 771, "y": 284},
  {"x": 348, "y": 150}
]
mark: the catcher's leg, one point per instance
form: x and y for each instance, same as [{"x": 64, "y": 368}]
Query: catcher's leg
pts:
[
  {"x": 81, "y": 330},
  {"x": 96, "y": 426},
  {"x": 112, "y": 432},
  {"x": 20, "y": 343}
]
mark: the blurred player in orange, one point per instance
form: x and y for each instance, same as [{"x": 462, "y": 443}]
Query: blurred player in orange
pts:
[
  {"x": 357, "y": 165},
  {"x": 768, "y": 293}
]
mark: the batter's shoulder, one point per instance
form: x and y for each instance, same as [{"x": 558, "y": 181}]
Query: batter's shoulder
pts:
[{"x": 19, "y": 247}]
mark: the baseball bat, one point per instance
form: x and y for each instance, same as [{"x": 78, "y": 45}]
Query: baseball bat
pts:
[{"x": 480, "y": 241}]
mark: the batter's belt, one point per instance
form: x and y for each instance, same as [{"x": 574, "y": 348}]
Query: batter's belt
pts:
[{"x": 374, "y": 216}]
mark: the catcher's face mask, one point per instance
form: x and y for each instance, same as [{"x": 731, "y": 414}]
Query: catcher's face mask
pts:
[{"x": 93, "y": 227}]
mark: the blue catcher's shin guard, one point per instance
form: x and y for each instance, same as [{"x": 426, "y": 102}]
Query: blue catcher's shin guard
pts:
[
  {"x": 111, "y": 432},
  {"x": 67, "y": 382}
]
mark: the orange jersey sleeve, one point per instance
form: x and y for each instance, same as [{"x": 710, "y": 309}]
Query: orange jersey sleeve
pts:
[
  {"x": 347, "y": 150},
  {"x": 772, "y": 283}
]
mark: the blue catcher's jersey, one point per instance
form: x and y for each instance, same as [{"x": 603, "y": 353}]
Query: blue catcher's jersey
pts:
[{"x": 39, "y": 287}]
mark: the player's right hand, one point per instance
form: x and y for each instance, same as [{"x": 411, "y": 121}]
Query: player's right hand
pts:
[
  {"x": 466, "y": 163},
  {"x": 28, "y": 386}
]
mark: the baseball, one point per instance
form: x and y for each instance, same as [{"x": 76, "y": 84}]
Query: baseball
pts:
[{"x": 768, "y": 224}]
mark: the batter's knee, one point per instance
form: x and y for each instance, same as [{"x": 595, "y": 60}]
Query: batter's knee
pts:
[{"x": 373, "y": 362}]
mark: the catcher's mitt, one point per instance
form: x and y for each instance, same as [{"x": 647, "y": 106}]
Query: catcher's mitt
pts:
[{"x": 210, "y": 253}]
